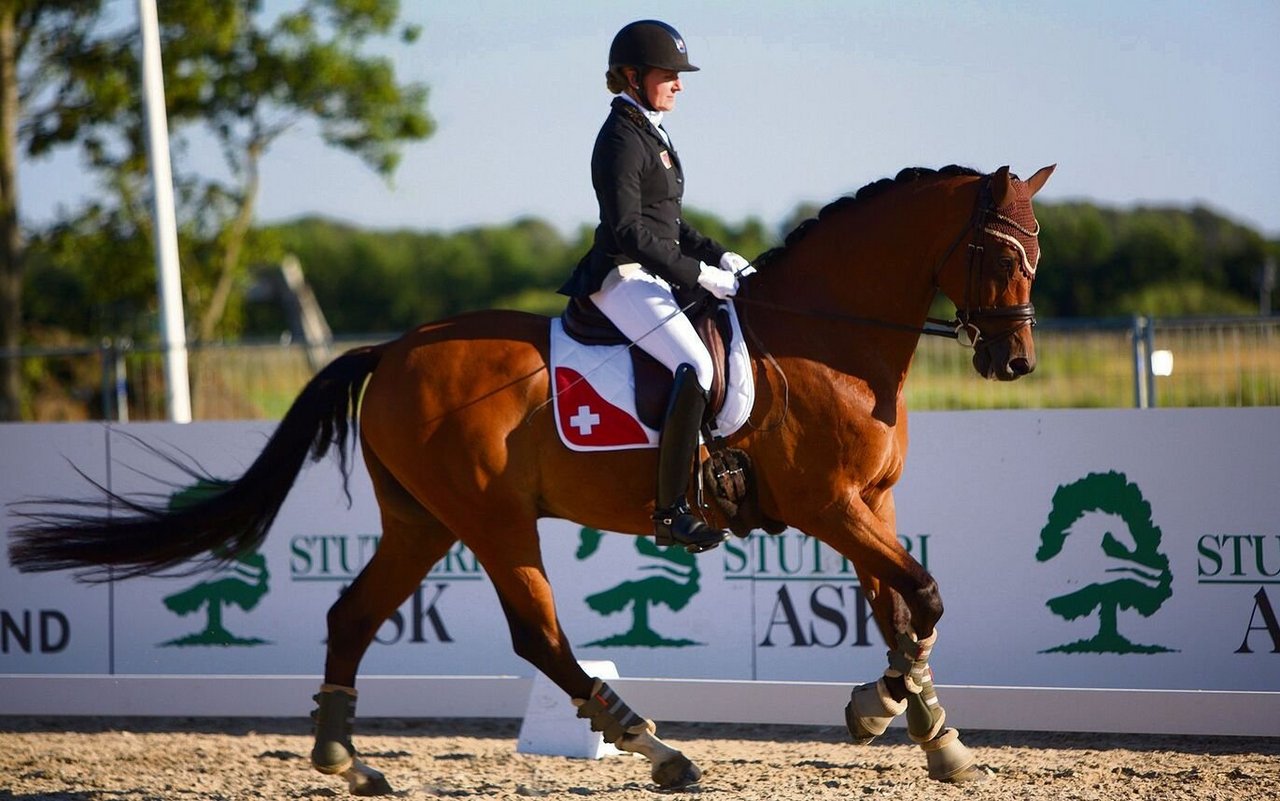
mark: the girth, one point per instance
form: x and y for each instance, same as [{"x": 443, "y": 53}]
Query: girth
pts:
[{"x": 585, "y": 323}]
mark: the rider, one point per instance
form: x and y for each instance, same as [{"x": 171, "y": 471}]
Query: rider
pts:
[{"x": 647, "y": 263}]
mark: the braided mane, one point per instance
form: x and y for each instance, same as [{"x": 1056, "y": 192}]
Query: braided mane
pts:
[{"x": 871, "y": 190}]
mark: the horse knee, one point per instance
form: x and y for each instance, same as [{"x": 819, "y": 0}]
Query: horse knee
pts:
[{"x": 926, "y": 608}]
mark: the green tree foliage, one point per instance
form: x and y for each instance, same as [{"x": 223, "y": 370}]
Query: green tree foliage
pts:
[
  {"x": 53, "y": 57},
  {"x": 1103, "y": 262},
  {"x": 246, "y": 79},
  {"x": 237, "y": 76},
  {"x": 1097, "y": 262},
  {"x": 386, "y": 281}
]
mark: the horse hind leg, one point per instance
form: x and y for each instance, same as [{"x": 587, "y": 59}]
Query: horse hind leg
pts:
[
  {"x": 411, "y": 543},
  {"x": 514, "y": 565},
  {"x": 907, "y": 686}
]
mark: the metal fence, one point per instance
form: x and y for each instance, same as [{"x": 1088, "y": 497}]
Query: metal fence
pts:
[
  {"x": 1082, "y": 364},
  {"x": 1140, "y": 362}
]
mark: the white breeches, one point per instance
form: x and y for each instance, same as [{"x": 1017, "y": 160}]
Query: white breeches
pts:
[{"x": 637, "y": 302}]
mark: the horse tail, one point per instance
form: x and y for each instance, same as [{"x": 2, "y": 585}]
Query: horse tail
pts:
[{"x": 214, "y": 522}]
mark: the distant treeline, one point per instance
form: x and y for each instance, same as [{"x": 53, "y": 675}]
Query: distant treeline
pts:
[{"x": 1097, "y": 262}]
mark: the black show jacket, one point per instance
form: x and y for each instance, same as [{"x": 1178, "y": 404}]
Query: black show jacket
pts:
[{"x": 639, "y": 185}]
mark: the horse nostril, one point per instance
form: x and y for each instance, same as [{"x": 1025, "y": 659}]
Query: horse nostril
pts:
[{"x": 1021, "y": 366}]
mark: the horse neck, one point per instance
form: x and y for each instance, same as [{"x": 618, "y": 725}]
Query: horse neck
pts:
[{"x": 865, "y": 273}]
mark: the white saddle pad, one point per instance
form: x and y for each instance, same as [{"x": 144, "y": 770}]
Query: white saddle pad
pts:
[{"x": 594, "y": 393}]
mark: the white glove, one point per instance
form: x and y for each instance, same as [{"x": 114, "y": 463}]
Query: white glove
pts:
[
  {"x": 721, "y": 283},
  {"x": 736, "y": 264}
]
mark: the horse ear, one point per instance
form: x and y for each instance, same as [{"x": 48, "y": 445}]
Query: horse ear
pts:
[
  {"x": 1038, "y": 180},
  {"x": 1002, "y": 187}
]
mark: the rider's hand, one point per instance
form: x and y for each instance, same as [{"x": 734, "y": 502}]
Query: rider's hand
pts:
[
  {"x": 721, "y": 283},
  {"x": 736, "y": 264}
]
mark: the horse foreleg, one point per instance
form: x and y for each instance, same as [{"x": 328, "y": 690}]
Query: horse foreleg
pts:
[
  {"x": 515, "y": 567},
  {"x": 907, "y": 606},
  {"x": 907, "y": 686},
  {"x": 405, "y": 554}
]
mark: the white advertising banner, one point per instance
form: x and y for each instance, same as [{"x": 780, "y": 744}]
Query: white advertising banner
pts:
[{"x": 1135, "y": 549}]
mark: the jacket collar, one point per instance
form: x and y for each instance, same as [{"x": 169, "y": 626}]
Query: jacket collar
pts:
[
  {"x": 643, "y": 119},
  {"x": 654, "y": 117}
]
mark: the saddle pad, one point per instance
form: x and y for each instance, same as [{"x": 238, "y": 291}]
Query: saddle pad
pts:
[{"x": 594, "y": 393}]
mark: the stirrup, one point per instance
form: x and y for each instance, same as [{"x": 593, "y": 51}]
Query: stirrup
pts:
[{"x": 678, "y": 526}]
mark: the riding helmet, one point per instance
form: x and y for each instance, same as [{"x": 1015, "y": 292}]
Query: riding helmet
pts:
[{"x": 650, "y": 43}]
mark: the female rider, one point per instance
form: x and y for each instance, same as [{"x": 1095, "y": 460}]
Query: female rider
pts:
[{"x": 647, "y": 264}]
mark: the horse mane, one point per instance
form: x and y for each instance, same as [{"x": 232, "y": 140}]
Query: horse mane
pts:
[{"x": 871, "y": 190}]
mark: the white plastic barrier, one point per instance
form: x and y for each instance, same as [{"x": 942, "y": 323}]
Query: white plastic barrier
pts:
[{"x": 1102, "y": 570}]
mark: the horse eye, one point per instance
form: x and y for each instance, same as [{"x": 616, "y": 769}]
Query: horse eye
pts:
[{"x": 1006, "y": 262}]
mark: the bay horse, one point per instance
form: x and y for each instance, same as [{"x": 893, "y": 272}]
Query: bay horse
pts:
[{"x": 460, "y": 444}]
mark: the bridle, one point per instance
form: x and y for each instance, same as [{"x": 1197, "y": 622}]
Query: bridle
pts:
[{"x": 966, "y": 326}]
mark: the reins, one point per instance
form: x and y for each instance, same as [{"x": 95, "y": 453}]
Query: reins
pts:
[
  {"x": 964, "y": 326},
  {"x": 949, "y": 329}
]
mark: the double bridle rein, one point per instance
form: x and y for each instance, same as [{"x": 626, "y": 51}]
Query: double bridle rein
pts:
[{"x": 965, "y": 327}]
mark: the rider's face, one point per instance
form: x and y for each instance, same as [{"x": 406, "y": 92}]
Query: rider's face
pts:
[{"x": 660, "y": 87}]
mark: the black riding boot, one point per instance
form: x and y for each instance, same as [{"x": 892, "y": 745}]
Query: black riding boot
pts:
[{"x": 673, "y": 522}]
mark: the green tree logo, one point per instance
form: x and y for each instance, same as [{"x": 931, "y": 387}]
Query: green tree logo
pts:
[
  {"x": 1108, "y": 511},
  {"x": 243, "y": 583},
  {"x": 673, "y": 588}
]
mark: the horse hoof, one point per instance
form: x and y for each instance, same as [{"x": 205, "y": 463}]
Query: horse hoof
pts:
[
  {"x": 951, "y": 761},
  {"x": 363, "y": 780},
  {"x": 870, "y": 711},
  {"x": 676, "y": 773},
  {"x": 971, "y": 774}
]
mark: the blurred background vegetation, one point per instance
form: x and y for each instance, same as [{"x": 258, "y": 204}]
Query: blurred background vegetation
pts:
[
  {"x": 238, "y": 78},
  {"x": 84, "y": 284}
]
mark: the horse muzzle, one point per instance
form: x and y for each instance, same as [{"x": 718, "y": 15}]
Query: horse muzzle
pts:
[{"x": 1007, "y": 358}]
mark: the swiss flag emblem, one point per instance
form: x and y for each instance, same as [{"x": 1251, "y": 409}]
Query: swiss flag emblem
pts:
[{"x": 588, "y": 420}]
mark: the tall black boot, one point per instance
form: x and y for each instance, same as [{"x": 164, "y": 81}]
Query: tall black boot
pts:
[{"x": 673, "y": 522}]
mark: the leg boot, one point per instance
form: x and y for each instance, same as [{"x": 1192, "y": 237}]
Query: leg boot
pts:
[{"x": 673, "y": 522}]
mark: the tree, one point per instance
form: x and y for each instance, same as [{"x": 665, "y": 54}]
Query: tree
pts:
[
  {"x": 673, "y": 590},
  {"x": 245, "y": 80},
  {"x": 1134, "y": 575},
  {"x": 53, "y": 84},
  {"x": 242, "y": 582}
]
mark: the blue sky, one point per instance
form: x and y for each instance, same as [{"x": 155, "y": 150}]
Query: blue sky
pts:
[{"x": 1170, "y": 103}]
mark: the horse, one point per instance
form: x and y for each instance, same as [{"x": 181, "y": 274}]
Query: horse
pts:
[{"x": 458, "y": 439}]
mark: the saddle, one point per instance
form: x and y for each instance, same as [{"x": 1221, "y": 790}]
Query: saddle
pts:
[
  {"x": 585, "y": 323},
  {"x": 726, "y": 474}
]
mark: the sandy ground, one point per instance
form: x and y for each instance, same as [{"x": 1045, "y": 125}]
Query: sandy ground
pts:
[{"x": 99, "y": 759}]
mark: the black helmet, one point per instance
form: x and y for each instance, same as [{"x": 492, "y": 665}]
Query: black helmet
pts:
[{"x": 650, "y": 43}]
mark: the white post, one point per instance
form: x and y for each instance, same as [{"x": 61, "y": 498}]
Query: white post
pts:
[{"x": 173, "y": 337}]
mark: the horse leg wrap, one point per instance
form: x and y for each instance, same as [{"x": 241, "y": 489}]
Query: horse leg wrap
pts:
[
  {"x": 925, "y": 715},
  {"x": 610, "y": 715},
  {"x": 870, "y": 711},
  {"x": 333, "y": 753},
  {"x": 950, "y": 760},
  {"x": 334, "y": 713},
  {"x": 911, "y": 660}
]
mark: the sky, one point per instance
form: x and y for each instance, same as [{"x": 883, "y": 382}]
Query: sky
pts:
[{"x": 1138, "y": 102}]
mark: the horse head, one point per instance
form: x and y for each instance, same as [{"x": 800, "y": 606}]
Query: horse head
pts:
[{"x": 990, "y": 280}]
